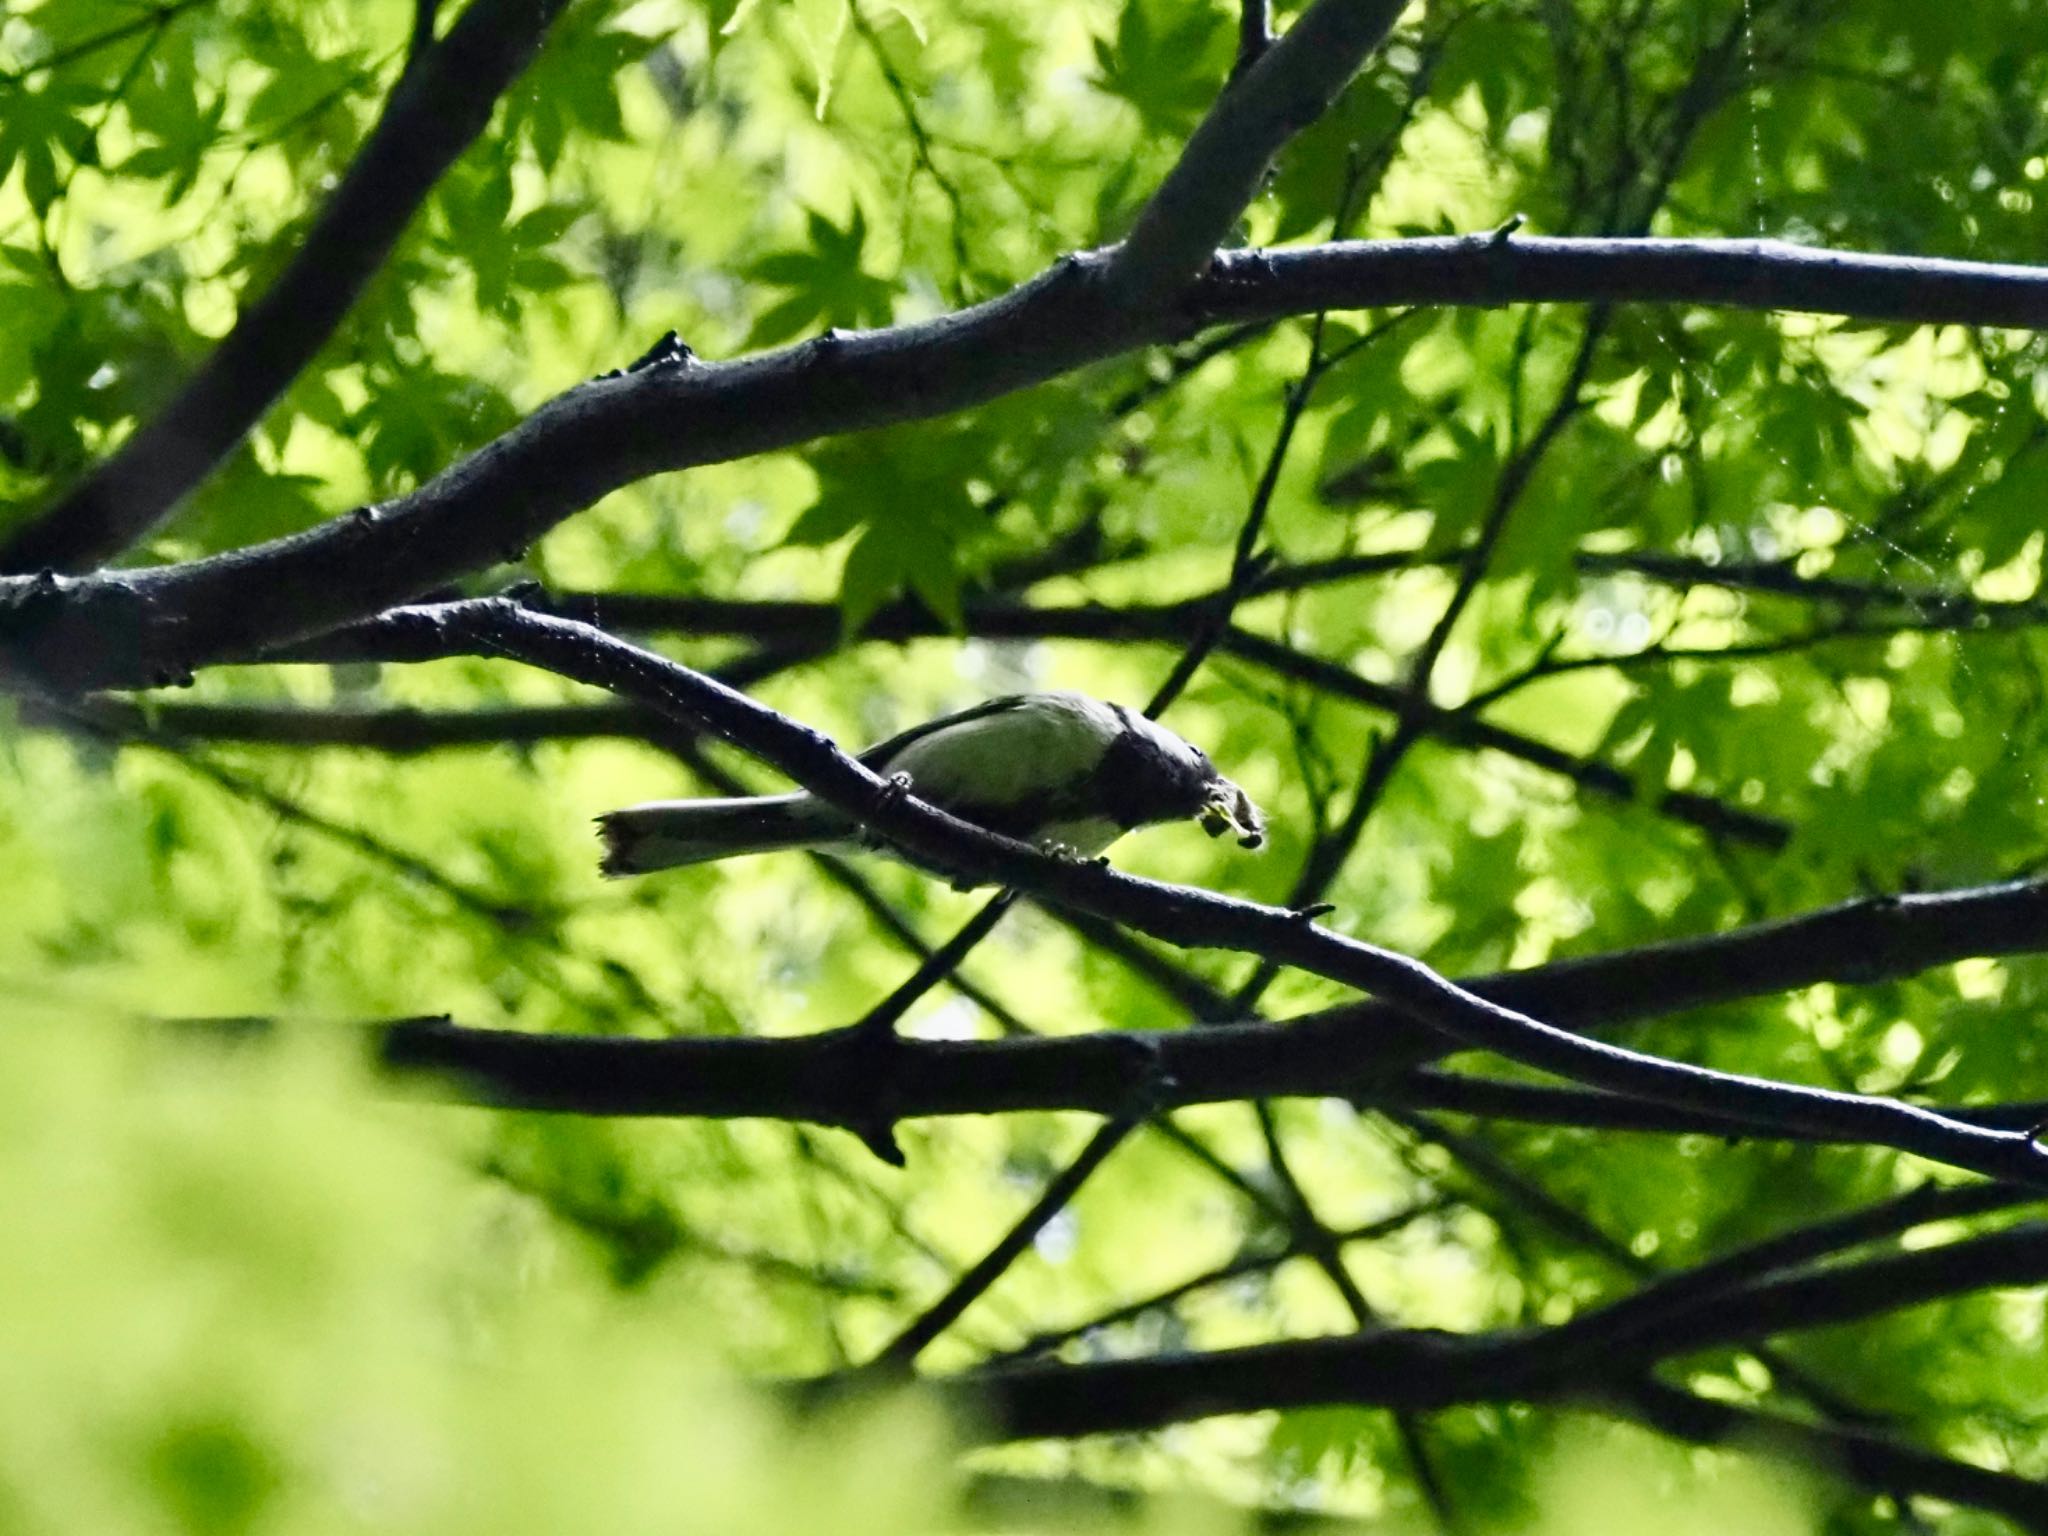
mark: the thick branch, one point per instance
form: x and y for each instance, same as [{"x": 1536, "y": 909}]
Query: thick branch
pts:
[
  {"x": 1254, "y": 34},
  {"x": 812, "y": 1078},
  {"x": 1821, "y": 1297},
  {"x": 1361, "y": 1050},
  {"x": 137, "y": 628},
  {"x": 439, "y": 106},
  {"x": 1425, "y": 1368},
  {"x": 1288, "y": 87},
  {"x": 1492, "y": 271}
]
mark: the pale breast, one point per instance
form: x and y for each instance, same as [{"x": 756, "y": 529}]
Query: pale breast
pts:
[{"x": 1087, "y": 837}]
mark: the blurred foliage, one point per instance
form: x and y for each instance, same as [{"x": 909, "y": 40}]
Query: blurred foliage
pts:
[{"x": 238, "y": 1300}]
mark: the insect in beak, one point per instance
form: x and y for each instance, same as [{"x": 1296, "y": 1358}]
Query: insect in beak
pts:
[{"x": 1231, "y": 810}]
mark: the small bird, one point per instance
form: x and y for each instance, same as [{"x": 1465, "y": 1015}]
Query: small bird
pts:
[{"x": 1061, "y": 770}]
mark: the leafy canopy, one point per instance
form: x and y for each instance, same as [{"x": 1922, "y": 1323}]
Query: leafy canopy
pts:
[{"x": 1786, "y": 565}]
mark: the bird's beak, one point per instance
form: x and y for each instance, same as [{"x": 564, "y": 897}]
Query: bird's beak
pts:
[{"x": 1230, "y": 809}]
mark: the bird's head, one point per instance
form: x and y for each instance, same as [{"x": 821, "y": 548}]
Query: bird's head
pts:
[{"x": 1184, "y": 783}]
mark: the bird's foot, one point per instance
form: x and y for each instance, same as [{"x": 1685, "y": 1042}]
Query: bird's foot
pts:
[{"x": 894, "y": 788}]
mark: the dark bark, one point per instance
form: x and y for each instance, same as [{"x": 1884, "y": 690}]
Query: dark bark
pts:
[
  {"x": 1193, "y": 918},
  {"x": 141, "y": 628}
]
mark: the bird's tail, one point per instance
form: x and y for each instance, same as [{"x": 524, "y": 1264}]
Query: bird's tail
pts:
[{"x": 664, "y": 834}]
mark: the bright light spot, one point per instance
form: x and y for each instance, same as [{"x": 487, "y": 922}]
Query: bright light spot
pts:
[
  {"x": 1527, "y": 130},
  {"x": 1980, "y": 980},
  {"x": 2018, "y": 578},
  {"x": 1058, "y": 1238},
  {"x": 1901, "y": 1046},
  {"x": 1752, "y": 685},
  {"x": 953, "y": 1019},
  {"x": 1820, "y": 526},
  {"x": 1869, "y": 699},
  {"x": 743, "y": 521},
  {"x": 2019, "y": 1315}
]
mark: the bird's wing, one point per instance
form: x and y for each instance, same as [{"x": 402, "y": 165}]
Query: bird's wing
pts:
[
  {"x": 1014, "y": 763},
  {"x": 877, "y": 757}
]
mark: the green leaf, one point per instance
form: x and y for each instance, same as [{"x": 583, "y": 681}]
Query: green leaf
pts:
[
  {"x": 1167, "y": 61},
  {"x": 821, "y": 24}
]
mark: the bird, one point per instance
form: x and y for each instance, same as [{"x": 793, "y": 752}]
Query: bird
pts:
[{"x": 1064, "y": 771}]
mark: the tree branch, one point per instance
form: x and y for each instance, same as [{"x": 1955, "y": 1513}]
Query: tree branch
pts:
[
  {"x": 1254, "y": 34},
  {"x": 1591, "y": 1109},
  {"x": 1256, "y": 1262},
  {"x": 1494, "y": 270},
  {"x": 140, "y": 628},
  {"x": 833, "y": 1079},
  {"x": 399, "y": 730},
  {"x": 441, "y": 103},
  {"x": 1426, "y": 1369},
  {"x": 1363, "y": 1050},
  {"x": 1637, "y": 1329},
  {"x": 1218, "y": 174},
  {"x": 1907, "y": 607},
  {"x": 786, "y": 627},
  {"x": 903, "y": 1350},
  {"x": 1200, "y": 919}
]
